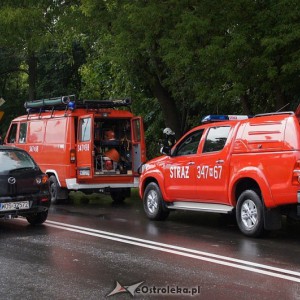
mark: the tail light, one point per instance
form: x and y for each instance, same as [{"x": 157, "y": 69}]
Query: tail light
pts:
[
  {"x": 72, "y": 155},
  {"x": 296, "y": 173}
]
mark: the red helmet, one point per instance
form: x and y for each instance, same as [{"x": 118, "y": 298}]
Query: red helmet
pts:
[
  {"x": 113, "y": 154},
  {"x": 109, "y": 135}
]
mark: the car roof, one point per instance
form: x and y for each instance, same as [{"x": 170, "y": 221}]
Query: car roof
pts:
[{"x": 3, "y": 147}]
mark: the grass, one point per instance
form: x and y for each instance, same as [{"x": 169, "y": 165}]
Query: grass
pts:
[{"x": 79, "y": 198}]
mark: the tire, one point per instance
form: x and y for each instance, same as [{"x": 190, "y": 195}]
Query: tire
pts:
[
  {"x": 57, "y": 193},
  {"x": 154, "y": 205},
  {"x": 117, "y": 197},
  {"x": 37, "y": 218},
  {"x": 120, "y": 194},
  {"x": 53, "y": 189},
  {"x": 249, "y": 214}
]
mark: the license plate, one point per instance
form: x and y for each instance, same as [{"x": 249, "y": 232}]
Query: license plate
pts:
[
  {"x": 84, "y": 172},
  {"x": 14, "y": 205}
]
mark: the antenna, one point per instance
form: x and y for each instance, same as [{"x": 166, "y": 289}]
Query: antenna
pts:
[
  {"x": 297, "y": 112},
  {"x": 282, "y": 107}
]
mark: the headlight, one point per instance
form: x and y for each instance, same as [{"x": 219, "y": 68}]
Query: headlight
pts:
[
  {"x": 41, "y": 179},
  {"x": 142, "y": 168}
]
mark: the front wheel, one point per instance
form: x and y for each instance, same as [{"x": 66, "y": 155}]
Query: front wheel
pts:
[
  {"x": 37, "y": 218},
  {"x": 154, "y": 205},
  {"x": 249, "y": 214}
]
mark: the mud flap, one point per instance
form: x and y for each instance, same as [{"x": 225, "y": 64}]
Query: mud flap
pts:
[{"x": 272, "y": 219}]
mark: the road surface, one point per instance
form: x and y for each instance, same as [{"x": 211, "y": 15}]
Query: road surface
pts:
[{"x": 101, "y": 250}]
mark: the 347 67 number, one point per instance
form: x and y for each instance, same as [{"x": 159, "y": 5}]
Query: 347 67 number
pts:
[{"x": 204, "y": 172}]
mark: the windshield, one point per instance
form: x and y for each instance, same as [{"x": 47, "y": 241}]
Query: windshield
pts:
[{"x": 11, "y": 160}]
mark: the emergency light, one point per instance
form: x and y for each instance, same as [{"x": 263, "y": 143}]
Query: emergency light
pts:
[
  {"x": 218, "y": 118},
  {"x": 71, "y": 105}
]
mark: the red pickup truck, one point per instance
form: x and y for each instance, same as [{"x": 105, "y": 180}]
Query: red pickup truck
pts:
[{"x": 249, "y": 167}]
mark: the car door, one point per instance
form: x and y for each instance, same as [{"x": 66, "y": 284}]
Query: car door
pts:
[
  {"x": 180, "y": 168},
  {"x": 138, "y": 143},
  {"x": 85, "y": 146},
  {"x": 212, "y": 171}
]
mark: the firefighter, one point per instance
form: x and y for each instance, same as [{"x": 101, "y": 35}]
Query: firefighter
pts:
[
  {"x": 168, "y": 140},
  {"x": 109, "y": 135}
]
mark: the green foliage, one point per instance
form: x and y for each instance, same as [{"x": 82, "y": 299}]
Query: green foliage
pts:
[
  {"x": 177, "y": 60},
  {"x": 58, "y": 71}
]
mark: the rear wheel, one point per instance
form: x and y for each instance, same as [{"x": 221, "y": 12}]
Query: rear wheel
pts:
[
  {"x": 154, "y": 205},
  {"x": 117, "y": 197},
  {"x": 37, "y": 218},
  {"x": 53, "y": 189},
  {"x": 120, "y": 194},
  {"x": 56, "y": 192},
  {"x": 249, "y": 214}
]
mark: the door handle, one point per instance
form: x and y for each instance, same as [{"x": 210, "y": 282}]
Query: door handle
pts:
[
  {"x": 191, "y": 163},
  {"x": 220, "y": 161}
]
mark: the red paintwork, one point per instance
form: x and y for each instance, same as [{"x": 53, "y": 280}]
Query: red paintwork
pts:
[
  {"x": 264, "y": 148},
  {"x": 52, "y": 135}
]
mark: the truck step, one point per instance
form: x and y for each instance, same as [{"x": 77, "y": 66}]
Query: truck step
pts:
[{"x": 196, "y": 206}]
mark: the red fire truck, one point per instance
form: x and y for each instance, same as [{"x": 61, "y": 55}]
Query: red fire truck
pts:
[
  {"x": 248, "y": 167},
  {"x": 88, "y": 145}
]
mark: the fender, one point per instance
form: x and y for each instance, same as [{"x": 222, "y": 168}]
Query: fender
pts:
[
  {"x": 50, "y": 171},
  {"x": 257, "y": 175},
  {"x": 153, "y": 173}
]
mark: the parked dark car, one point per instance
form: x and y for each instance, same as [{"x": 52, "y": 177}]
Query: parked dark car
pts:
[{"x": 24, "y": 188}]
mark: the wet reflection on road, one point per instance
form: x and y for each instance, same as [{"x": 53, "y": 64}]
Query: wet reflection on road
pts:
[{"x": 83, "y": 249}]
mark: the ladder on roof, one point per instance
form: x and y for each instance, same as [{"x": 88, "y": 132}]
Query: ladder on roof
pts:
[{"x": 70, "y": 103}]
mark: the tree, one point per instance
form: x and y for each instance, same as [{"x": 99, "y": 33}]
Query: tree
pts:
[
  {"x": 195, "y": 57},
  {"x": 178, "y": 60},
  {"x": 128, "y": 46},
  {"x": 30, "y": 28},
  {"x": 238, "y": 56}
]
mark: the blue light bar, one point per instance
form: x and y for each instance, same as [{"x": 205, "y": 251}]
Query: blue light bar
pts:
[
  {"x": 71, "y": 105},
  {"x": 218, "y": 118}
]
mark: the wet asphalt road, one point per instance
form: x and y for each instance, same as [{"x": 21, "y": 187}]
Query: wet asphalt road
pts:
[{"x": 82, "y": 251}]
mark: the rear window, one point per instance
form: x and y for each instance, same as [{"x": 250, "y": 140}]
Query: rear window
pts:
[
  {"x": 85, "y": 130},
  {"x": 137, "y": 130},
  {"x": 11, "y": 160}
]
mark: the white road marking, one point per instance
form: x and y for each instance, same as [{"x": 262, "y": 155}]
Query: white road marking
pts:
[{"x": 182, "y": 251}]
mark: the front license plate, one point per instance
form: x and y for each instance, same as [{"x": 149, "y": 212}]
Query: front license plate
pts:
[{"x": 14, "y": 205}]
